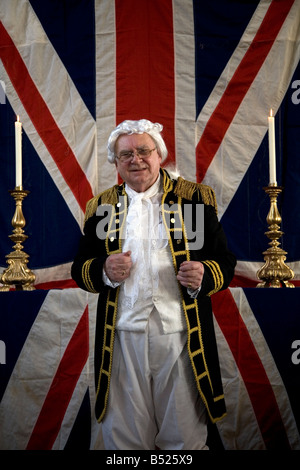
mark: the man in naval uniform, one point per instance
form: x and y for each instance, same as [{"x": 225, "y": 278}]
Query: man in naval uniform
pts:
[{"x": 156, "y": 362}]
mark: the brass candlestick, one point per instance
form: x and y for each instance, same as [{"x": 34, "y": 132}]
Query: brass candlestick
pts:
[
  {"x": 274, "y": 273},
  {"x": 17, "y": 273}
]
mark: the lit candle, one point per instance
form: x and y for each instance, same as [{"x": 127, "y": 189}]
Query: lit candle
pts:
[
  {"x": 18, "y": 141},
  {"x": 272, "y": 156}
]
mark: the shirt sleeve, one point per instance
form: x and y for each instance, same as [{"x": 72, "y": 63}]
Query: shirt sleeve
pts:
[
  {"x": 193, "y": 293},
  {"x": 107, "y": 281}
]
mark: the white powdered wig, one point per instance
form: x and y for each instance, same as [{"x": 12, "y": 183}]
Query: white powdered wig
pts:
[{"x": 137, "y": 127}]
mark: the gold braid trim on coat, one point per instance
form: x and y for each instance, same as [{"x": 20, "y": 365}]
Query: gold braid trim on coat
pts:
[
  {"x": 109, "y": 196},
  {"x": 186, "y": 189},
  {"x": 174, "y": 191}
]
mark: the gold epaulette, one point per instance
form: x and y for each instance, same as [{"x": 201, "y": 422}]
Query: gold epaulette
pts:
[
  {"x": 91, "y": 207},
  {"x": 109, "y": 196},
  {"x": 186, "y": 189}
]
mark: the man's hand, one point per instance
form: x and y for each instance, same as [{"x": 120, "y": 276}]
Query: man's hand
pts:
[
  {"x": 190, "y": 274},
  {"x": 117, "y": 266}
]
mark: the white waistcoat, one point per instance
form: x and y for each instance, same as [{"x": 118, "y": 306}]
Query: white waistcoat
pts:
[{"x": 152, "y": 280}]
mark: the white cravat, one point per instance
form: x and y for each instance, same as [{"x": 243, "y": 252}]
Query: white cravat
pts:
[{"x": 144, "y": 231}]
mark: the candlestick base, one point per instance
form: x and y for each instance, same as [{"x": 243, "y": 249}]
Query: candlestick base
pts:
[
  {"x": 17, "y": 274},
  {"x": 274, "y": 273}
]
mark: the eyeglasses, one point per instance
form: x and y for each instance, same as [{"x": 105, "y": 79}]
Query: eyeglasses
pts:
[{"x": 127, "y": 155}]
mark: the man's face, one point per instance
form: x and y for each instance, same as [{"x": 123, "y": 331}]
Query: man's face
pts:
[{"x": 138, "y": 172}]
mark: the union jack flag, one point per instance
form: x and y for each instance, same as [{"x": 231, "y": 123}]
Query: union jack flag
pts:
[{"x": 208, "y": 71}]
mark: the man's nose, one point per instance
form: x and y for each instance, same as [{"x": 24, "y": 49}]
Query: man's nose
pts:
[{"x": 135, "y": 156}]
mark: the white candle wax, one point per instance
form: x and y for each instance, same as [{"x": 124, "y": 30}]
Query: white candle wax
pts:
[
  {"x": 272, "y": 154},
  {"x": 18, "y": 142}
]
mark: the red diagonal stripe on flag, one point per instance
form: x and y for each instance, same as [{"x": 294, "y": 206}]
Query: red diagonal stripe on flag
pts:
[
  {"x": 252, "y": 371},
  {"x": 239, "y": 84},
  {"x": 52, "y": 413},
  {"x": 43, "y": 121}
]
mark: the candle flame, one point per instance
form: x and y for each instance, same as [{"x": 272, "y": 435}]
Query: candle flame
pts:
[
  {"x": 271, "y": 112},
  {"x": 18, "y": 118}
]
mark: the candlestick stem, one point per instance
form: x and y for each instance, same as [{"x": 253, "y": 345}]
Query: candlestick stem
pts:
[
  {"x": 17, "y": 273},
  {"x": 274, "y": 273}
]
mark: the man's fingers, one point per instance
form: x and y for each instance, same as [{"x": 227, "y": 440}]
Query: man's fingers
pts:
[{"x": 190, "y": 274}]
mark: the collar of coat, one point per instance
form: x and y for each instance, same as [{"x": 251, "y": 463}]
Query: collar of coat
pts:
[{"x": 181, "y": 187}]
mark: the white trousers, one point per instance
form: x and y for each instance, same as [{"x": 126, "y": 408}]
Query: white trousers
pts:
[{"x": 153, "y": 401}]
